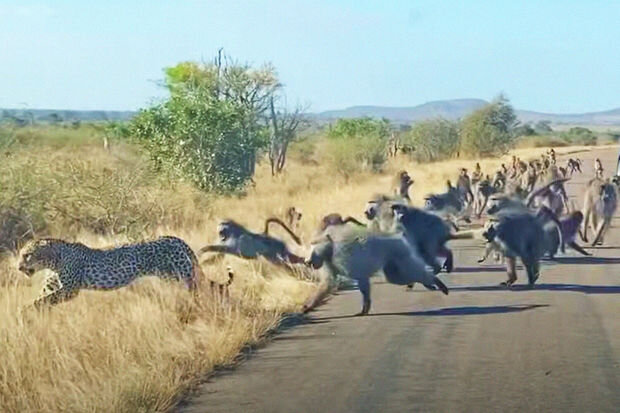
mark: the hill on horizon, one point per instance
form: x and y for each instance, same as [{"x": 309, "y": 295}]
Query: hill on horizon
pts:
[
  {"x": 454, "y": 109},
  {"x": 451, "y": 109}
]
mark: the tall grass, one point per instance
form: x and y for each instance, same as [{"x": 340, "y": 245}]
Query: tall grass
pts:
[{"x": 138, "y": 349}]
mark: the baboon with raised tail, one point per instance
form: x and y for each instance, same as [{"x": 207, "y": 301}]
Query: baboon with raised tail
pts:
[{"x": 239, "y": 241}]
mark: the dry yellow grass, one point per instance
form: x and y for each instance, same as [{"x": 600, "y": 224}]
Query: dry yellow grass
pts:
[{"x": 139, "y": 348}]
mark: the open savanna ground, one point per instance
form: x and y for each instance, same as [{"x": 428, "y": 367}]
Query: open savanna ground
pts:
[{"x": 141, "y": 348}]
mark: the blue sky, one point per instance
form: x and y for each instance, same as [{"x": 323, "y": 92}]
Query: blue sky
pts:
[{"x": 550, "y": 56}]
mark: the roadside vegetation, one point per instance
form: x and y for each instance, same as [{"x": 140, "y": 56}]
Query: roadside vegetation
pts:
[{"x": 221, "y": 147}]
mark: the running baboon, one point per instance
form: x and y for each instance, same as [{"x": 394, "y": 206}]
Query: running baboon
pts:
[
  {"x": 553, "y": 196},
  {"x": 499, "y": 180},
  {"x": 463, "y": 186},
  {"x": 482, "y": 191},
  {"x": 476, "y": 175},
  {"x": 237, "y": 240},
  {"x": 519, "y": 235},
  {"x": 598, "y": 168},
  {"x": 599, "y": 205},
  {"x": 379, "y": 212},
  {"x": 449, "y": 205},
  {"x": 222, "y": 289},
  {"x": 359, "y": 258},
  {"x": 569, "y": 226},
  {"x": 573, "y": 165},
  {"x": 428, "y": 233},
  {"x": 403, "y": 182}
]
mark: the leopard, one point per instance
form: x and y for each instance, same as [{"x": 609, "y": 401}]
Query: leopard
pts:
[{"x": 73, "y": 266}]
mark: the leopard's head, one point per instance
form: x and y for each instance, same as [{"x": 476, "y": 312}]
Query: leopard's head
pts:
[{"x": 37, "y": 255}]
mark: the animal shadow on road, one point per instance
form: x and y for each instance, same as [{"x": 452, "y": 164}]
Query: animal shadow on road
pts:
[
  {"x": 586, "y": 289},
  {"x": 587, "y": 260},
  {"x": 449, "y": 311}
]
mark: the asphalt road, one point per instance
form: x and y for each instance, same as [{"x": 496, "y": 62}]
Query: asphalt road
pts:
[{"x": 481, "y": 349}]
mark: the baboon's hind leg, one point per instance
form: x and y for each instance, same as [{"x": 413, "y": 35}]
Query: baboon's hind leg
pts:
[
  {"x": 532, "y": 268},
  {"x": 511, "y": 269},
  {"x": 364, "y": 286}
]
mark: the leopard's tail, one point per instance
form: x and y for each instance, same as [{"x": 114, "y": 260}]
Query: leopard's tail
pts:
[{"x": 197, "y": 273}]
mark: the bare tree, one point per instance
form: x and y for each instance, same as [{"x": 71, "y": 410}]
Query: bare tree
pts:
[{"x": 284, "y": 127}]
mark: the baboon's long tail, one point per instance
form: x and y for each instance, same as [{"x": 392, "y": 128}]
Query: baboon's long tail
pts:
[
  {"x": 441, "y": 285},
  {"x": 463, "y": 235},
  {"x": 283, "y": 225}
]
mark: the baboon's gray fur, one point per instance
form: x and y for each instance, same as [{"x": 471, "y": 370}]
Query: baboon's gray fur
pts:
[
  {"x": 362, "y": 256},
  {"x": 237, "y": 240},
  {"x": 599, "y": 205}
]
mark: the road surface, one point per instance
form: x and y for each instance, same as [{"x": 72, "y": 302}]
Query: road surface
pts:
[{"x": 481, "y": 349}]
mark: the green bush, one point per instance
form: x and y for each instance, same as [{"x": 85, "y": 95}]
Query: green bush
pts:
[
  {"x": 211, "y": 129},
  {"x": 432, "y": 140},
  {"x": 351, "y": 156},
  {"x": 579, "y": 136},
  {"x": 356, "y": 145},
  {"x": 489, "y": 130}
]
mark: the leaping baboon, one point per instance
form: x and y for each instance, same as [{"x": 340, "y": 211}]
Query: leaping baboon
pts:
[
  {"x": 237, "y": 240},
  {"x": 569, "y": 227},
  {"x": 599, "y": 205},
  {"x": 359, "y": 258}
]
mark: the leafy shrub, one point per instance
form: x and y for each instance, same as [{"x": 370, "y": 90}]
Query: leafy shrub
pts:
[
  {"x": 489, "y": 130},
  {"x": 210, "y": 130},
  {"x": 579, "y": 136},
  {"x": 356, "y": 145},
  {"x": 351, "y": 156},
  {"x": 432, "y": 140}
]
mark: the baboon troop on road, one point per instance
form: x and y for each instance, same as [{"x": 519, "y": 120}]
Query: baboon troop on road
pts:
[{"x": 527, "y": 210}]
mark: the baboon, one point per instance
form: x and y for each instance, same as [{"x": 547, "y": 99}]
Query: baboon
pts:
[
  {"x": 573, "y": 165},
  {"x": 293, "y": 217},
  {"x": 569, "y": 227},
  {"x": 518, "y": 235},
  {"x": 476, "y": 175},
  {"x": 599, "y": 205},
  {"x": 332, "y": 220},
  {"x": 499, "y": 180},
  {"x": 553, "y": 196},
  {"x": 563, "y": 171},
  {"x": 359, "y": 258},
  {"x": 463, "y": 186},
  {"x": 598, "y": 168},
  {"x": 491, "y": 246},
  {"x": 428, "y": 233},
  {"x": 222, "y": 289},
  {"x": 237, "y": 240},
  {"x": 449, "y": 205},
  {"x": 403, "y": 182},
  {"x": 379, "y": 213},
  {"x": 551, "y": 155},
  {"x": 483, "y": 189}
]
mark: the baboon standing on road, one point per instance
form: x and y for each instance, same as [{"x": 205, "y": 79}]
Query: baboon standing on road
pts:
[{"x": 599, "y": 205}]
